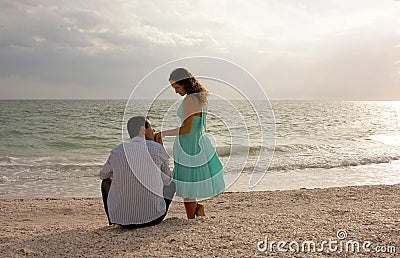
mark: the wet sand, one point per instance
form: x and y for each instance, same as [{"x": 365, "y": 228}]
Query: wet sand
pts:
[{"x": 237, "y": 224}]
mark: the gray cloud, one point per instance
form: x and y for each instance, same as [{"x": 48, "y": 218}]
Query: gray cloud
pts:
[
  {"x": 71, "y": 45},
  {"x": 297, "y": 50}
]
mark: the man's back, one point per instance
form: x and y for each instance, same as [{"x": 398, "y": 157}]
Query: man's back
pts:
[{"x": 136, "y": 193}]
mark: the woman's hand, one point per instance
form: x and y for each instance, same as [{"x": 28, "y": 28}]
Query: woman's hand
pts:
[{"x": 158, "y": 138}]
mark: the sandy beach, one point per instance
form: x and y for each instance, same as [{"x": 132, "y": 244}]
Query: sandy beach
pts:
[{"x": 237, "y": 224}]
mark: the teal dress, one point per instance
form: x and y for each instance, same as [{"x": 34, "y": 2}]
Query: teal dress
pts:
[{"x": 198, "y": 172}]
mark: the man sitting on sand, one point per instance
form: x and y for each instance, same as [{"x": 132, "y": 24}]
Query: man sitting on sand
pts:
[{"x": 136, "y": 187}]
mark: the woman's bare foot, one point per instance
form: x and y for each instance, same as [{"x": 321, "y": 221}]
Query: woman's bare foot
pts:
[
  {"x": 191, "y": 209},
  {"x": 200, "y": 210}
]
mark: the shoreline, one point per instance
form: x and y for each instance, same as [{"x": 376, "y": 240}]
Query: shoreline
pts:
[
  {"x": 89, "y": 187},
  {"x": 236, "y": 222},
  {"x": 178, "y": 199}
]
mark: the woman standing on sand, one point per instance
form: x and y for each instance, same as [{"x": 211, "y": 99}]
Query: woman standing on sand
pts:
[{"x": 198, "y": 172}]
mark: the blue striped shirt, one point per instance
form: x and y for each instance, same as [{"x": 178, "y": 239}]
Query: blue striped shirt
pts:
[{"x": 138, "y": 169}]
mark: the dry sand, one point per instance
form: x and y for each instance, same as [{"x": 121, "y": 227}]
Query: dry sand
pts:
[{"x": 235, "y": 224}]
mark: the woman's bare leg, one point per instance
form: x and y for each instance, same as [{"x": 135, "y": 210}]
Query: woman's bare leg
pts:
[
  {"x": 190, "y": 207},
  {"x": 193, "y": 208}
]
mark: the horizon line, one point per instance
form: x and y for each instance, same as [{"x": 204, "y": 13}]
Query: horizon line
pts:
[{"x": 275, "y": 99}]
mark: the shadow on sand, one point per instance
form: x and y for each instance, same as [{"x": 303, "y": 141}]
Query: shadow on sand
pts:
[{"x": 109, "y": 241}]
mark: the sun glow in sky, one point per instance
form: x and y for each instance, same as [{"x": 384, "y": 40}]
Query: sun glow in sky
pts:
[{"x": 296, "y": 49}]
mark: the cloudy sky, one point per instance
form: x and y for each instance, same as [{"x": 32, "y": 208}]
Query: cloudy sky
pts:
[{"x": 303, "y": 49}]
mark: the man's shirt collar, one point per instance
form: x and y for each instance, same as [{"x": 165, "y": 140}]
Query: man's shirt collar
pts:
[{"x": 138, "y": 139}]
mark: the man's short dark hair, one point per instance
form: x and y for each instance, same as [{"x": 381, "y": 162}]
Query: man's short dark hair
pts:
[{"x": 135, "y": 123}]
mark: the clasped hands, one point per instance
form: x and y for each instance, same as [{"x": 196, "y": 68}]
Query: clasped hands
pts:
[{"x": 158, "y": 138}]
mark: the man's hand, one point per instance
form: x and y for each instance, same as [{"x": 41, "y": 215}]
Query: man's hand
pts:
[{"x": 158, "y": 138}]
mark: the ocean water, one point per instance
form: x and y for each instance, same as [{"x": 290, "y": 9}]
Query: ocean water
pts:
[{"x": 55, "y": 148}]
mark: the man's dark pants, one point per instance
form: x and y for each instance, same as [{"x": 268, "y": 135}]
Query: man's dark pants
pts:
[{"x": 168, "y": 193}]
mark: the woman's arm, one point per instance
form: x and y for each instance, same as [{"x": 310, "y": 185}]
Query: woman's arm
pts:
[{"x": 185, "y": 129}]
